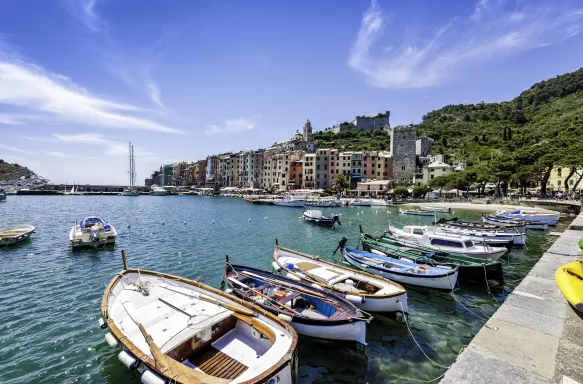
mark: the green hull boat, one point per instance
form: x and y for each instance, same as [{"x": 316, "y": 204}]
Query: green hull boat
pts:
[{"x": 469, "y": 268}]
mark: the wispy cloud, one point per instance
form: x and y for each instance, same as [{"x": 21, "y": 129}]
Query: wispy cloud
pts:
[
  {"x": 85, "y": 12},
  {"x": 35, "y": 90},
  {"x": 9, "y": 120},
  {"x": 57, "y": 154},
  {"x": 494, "y": 29},
  {"x": 113, "y": 148},
  {"x": 14, "y": 149},
  {"x": 231, "y": 126},
  {"x": 154, "y": 94}
]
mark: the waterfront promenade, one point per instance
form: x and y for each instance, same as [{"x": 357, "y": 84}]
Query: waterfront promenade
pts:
[{"x": 535, "y": 336}]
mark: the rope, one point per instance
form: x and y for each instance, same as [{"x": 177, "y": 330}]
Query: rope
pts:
[
  {"x": 487, "y": 284},
  {"x": 485, "y": 317}
]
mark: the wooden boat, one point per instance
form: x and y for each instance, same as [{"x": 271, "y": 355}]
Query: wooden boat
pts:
[
  {"x": 569, "y": 279},
  {"x": 402, "y": 271},
  {"x": 311, "y": 311},
  {"x": 532, "y": 215},
  {"x": 15, "y": 234},
  {"x": 435, "y": 209},
  {"x": 507, "y": 228},
  {"x": 499, "y": 220},
  {"x": 2, "y": 195},
  {"x": 469, "y": 268},
  {"x": 416, "y": 233},
  {"x": 315, "y": 216},
  {"x": 515, "y": 239},
  {"x": 92, "y": 232},
  {"x": 367, "y": 291},
  {"x": 362, "y": 203},
  {"x": 290, "y": 201},
  {"x": 416, "y": 212},
  {"x": 172, "y": 329}
]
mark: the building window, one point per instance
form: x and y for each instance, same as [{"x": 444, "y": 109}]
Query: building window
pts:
[
  {"x": 559, "y": 172},
  {"x": 402, "y": 167},
  {"x": 571, "y": 182},
  {"x": 432, "y": 176}
]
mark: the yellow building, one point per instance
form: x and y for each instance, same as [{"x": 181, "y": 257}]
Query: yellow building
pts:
[{"x": 556, "y": 181}]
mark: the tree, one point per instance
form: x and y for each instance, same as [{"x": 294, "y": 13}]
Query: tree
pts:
[
  {"x": 504, "y": 137},
  {"x": 341, "y": 182},
  {"x": 420, "y": 190},
  {"x": 439, "y": 182},
  {"x": 401, "y": 191}
]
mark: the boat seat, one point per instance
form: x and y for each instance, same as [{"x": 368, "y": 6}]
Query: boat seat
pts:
[
  {"x": 348, "y": 288},
  {"x": 289, "y": 298},
  {"x": 216, "y": 363},
  {"x": 307, "y": 266}
]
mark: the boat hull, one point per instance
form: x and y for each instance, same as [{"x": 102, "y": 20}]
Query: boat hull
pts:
[
  {"x": 293, "y": 203},
  {"x": 417, "y": 213},
  {"x": 529, "y": 225},
  {"x": 446, "y": 283},
  {"x": 14, "y": 235},
  {"x": 2, "y": 197},
  {"x": 84, "y": 240},
  {"x": 355, "y": 331}
]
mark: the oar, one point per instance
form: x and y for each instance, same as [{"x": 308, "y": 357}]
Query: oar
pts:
[
  {"x": 264, "y": 296},
  {"x": 269, "y": 280}
]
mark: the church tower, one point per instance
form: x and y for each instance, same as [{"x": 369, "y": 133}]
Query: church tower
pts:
[{"x": 308, "y": 131}]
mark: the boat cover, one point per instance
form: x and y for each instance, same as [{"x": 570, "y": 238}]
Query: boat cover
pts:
[{"x": 88, "y": 222}]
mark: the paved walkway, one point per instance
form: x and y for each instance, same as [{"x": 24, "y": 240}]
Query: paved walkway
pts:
[{"x": 535, "y": 336}]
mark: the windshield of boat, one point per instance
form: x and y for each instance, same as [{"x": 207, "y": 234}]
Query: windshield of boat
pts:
[
  {"x": 417, "y": 231},
  {"x": 469, "y": 243}
]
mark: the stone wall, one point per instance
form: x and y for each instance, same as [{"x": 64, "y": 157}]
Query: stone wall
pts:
[{"x": 403, "y": 152}]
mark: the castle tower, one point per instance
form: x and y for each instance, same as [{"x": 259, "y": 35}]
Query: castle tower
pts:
[
  {"x": 403, "y": 153},
  {"x": 308, "y": 131}
]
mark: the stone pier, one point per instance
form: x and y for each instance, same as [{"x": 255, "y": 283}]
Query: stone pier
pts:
[{"x": 535, "y": 336}]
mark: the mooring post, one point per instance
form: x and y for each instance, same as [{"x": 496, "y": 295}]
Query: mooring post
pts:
[{"x": 123, "y": 257}]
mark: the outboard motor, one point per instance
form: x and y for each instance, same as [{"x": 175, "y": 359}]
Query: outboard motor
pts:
[
  {"x": 341, "y": 245},
  {"x": 337, "y": 219},
  {"x": 94, "y": 236}
]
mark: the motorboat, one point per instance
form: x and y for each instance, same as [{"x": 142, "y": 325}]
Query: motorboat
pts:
[
  {"x": 362, "y": 203},
  {"x": 321, "y": 203},
  {"x": 131, "y": 190},
  {"x": 416, "y": 232},
  {"x": 157, "y": 191},
  {"x": 507, "y": 228},
  {"x": 315, "y": 216},
  {"x": 516, "y": 239},
  {"x": 402, "y": 271},
  {"x": 12, "y": 192},
  {"x": 530, "y": 216},
  {"x": 15, "y": 234},
  {"x": 367, "y": 291},
  {"x": 174, "y": 330},
  {"x": 416, "y": 212},
  {"x": 380, "y": 203},
  {"x": 469, "y": 268},
  {"x": 2, "y": 195},
  {"x": 93, "y": 232},
  {"x": 500, "y": 220},
  {"x": 311, "y": 311},
  {"x": 290, "y": 201},
  {"x": 435, "y": 209}
]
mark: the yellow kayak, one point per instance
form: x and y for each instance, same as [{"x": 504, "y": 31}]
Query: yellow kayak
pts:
[{"x": 569, "y": 278}]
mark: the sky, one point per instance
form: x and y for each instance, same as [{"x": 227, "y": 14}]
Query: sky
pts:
[{"x": 182, "y": 79}]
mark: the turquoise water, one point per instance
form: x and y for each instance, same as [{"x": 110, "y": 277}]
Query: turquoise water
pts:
[{"x": 50, "y": 296}]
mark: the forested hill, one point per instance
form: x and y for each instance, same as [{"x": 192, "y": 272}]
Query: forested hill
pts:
[{"x": 14, "y": 175}]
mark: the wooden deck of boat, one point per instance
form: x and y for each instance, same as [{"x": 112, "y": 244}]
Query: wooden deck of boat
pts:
[{"x": 215, "y": 363}]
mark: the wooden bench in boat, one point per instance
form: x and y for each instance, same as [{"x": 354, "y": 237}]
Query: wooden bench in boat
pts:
[
  {"x": 289, "y": 298},
  {"x": 216, "y": 363}
]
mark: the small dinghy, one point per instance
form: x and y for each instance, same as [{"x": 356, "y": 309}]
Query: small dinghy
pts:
[
  {"x": 367, "y": 291},
  {"x": 435, "y": 209},
  {"x": 416, "y": 212},
  {"x": 315, "y": 216},
  {"x": 175, "y": 330},
  {"x": 92, "y": 232},
  {"x": 405, "y": 272},
  {"x": 311, "y": 311},
  {"x": 15, "y": 234}
]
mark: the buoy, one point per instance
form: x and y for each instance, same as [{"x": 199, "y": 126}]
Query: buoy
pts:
[
  {"x": 285, "y": 317},
  {"x": 265, "y": 218},
  {"x": 128, "y": 360},
  {"x": 129, "y": 225},
  {"x": 317, "y": 286},
  {"x": 213, "y": 222},
  {"x": 276, "y": 267},
  {"x": 184, "y": 223},
  {"x": 149, "y": 377},
  {"x": 228, "y": 290},
  {"x": 293, "y": 277},
  {"x": 354, "y": 299},
  {"x": 163, "y": 222},
  {"x": 111, "y": 341},
  {"x": 249, "y": 220}
]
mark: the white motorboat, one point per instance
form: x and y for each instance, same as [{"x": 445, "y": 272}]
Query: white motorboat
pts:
[
  {"x": 157, "y": 191},
  {"x": 500, "y": 220},
  {"x": 290, "y": 201},
  {"x": 380, "y": 203},
  {"x": 174, "y": 330},
  {"x": 414, "y": 212},
  {"x": 435, "y": 209},
  {"x": 313, "y": 312},
  {"x": 131, "y": 190},
  {"x": 92, "y": 232},
  {"x": 15, "y": 234},
  {"x": 2, "y": 195},
  {"x": 402, "y": 271},
  {"x": 315, "y": 216},
  {"x": 459, "y": 244},
  {"x": 12, "y": 192},
  {"x": 479, "y": 227},
  {"x": 528, "y": 215},
  {"x": 362, "y": 203},
  {"x": 368, "y": 292},
  {"x": 416, "y": 232},
  {"x": 517, "y": 238},
  {"x": 321, "y": 203}
]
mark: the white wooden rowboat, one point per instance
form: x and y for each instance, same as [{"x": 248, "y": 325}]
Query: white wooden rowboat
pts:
[{"x": 15, "y": 234}]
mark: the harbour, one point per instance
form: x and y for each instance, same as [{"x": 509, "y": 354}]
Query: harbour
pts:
[{"x": 189, "y": 236}]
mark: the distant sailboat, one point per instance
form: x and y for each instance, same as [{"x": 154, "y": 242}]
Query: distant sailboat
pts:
[{"x": 132, "y": 190}]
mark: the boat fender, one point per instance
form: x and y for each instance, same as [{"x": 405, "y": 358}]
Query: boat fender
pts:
[
  {"x": 228, "y": 290},
  {"x": 317, "y": 286},
  {"x": 276, "y": 267},
  {"x": 293, "y": 277},
  {"x": 354, "y": 299},
  {"x": 149, "y": 377},
  {"x": 102, "y": 323},
  {"x": 128, "y": 360},
  {"x": 285, "y": 317},
  {"x": 111, "y": 341}
]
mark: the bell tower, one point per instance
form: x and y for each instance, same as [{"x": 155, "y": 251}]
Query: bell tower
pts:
[{"x": 308, "y": 131}]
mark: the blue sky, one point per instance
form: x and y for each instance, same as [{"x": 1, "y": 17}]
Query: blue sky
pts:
[{"x": 185, "y": 79}]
